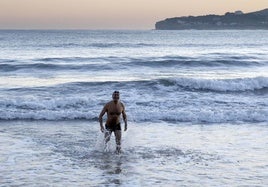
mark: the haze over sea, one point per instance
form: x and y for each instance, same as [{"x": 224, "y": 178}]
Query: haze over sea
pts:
[{"x": 197, "y": 105}]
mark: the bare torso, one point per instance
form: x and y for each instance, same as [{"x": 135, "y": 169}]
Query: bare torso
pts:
[{"x": 114, "y": 110}]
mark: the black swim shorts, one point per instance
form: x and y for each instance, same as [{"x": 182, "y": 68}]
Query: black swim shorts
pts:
[{"x": 113, "y": 127}]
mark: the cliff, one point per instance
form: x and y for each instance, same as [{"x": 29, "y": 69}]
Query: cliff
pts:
[{"x": 236, "y": 20}]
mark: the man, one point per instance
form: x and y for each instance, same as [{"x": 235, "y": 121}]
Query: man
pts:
[{"x": 114, "y": 110}]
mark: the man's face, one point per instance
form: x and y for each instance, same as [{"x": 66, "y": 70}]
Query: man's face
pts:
[{"x": 116, "y": 96}]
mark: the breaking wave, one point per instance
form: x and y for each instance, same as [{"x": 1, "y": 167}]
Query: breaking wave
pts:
[
  {"x": 222, "y": 85},
  {"x": 73, "y": 108},
  {"x": 145, "y": 101},
  {"x": 190, "y": 84}
]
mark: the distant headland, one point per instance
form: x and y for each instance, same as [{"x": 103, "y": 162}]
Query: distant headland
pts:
[{"x": 235, "y": 20}]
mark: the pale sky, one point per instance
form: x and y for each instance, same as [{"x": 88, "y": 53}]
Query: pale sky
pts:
[{"x": 110, "y": 14}]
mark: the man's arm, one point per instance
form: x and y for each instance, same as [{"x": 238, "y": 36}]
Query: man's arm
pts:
[
  {"x": 124, "y": 116},
  {"x": 100, "y": 117}
]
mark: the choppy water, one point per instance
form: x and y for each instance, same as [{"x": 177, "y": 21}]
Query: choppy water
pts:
[
  {"x": 189, "y": 76},
  {"x": 197, "y": 104}
]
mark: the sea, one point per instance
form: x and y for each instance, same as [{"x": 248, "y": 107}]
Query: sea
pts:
[{"x": 196, "y": 102}]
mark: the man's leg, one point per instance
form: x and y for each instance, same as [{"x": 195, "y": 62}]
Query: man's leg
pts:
[
  {"x": 107, "y": 136},
  {"x": 118, "y": 136}
]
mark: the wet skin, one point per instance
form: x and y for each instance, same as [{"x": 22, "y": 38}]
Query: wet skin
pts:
[{"x": 114, "y": 109}]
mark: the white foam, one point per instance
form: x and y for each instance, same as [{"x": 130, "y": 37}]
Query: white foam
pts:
[
  {"x": 148, "y": 107},
  {"x": 169, "y": 102},
  {"x": 239, "y": 84}
]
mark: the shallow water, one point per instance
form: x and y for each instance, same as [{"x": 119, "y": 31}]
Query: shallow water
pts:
[{"x": 71, "y": 153}]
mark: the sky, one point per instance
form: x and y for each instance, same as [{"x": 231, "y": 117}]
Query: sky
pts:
[{"x": 110, "y": 14}]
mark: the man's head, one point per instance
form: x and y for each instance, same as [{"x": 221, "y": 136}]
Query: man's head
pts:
[{"x": 116, "y": 96}]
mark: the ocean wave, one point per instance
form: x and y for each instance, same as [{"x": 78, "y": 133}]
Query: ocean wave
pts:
[
  {"x": 81, "y": 59},
  {"x": 7, "y": 60},
  {"x": 50, "y": 60},
  {"x": 52, "y": 109},
  {"x": 65, "y": 63},
  {"x": 205, "y": 116},
  {"x": 222, "y": 85},
  {"x": 99, "y": 45},
  {"x": 72, "y": 108},
  {"x": 257, "y": 85},
  {"x": 173, "y": 99},
  {"x": 204, "y": 60},
  {"x": 190, "y": 84},
  {"x": 50, "y": 66},
  {"x": 15, "y": 67},
  {"x": 62, "y": 59},
  {"x": 119, "y": 45}
]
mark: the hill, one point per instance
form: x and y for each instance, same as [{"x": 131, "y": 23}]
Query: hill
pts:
[{"x": 236, "y": 20}]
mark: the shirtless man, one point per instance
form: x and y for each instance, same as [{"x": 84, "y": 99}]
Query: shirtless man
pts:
[{"x": 114, "y": 110}]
